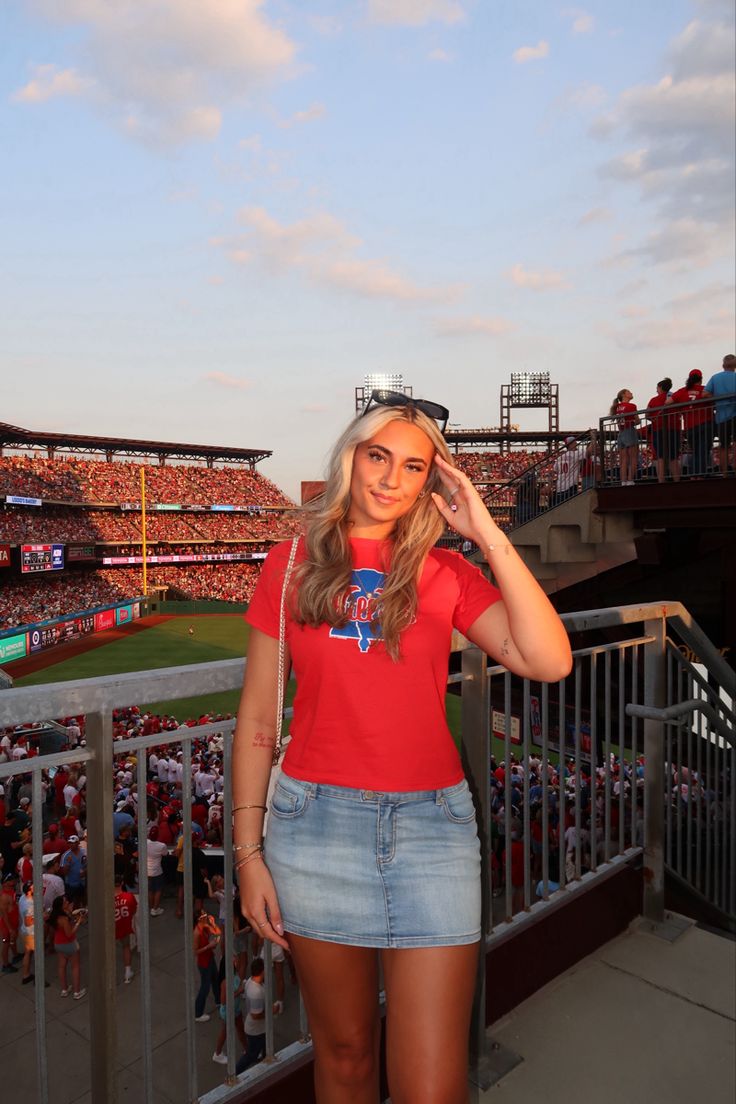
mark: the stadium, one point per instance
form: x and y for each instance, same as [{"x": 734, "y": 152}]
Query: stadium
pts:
[{"x": 125, "y": 569}]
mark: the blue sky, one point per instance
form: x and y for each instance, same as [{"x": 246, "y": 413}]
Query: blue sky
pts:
[{"x": 218, "y": 216}]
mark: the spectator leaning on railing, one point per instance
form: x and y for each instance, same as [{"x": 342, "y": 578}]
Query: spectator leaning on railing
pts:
[{"x": 722, "y": 387}]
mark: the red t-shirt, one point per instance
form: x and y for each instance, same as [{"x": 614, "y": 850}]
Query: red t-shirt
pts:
[
  {"x": 625, "y": 414},
  {"x": 700, "y": 415},
  {"x": 126, "y": 907},
  {"x": 658, "y": 417},
  {"x": 360, "y": 719}
]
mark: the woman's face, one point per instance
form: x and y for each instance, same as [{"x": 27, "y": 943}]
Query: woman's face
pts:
[{"x": 389, "y": 472}]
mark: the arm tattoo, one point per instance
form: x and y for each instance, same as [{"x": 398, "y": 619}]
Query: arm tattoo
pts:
[
  {"x": 505, "y": 650},
  {"x": 262, "y": 740}
]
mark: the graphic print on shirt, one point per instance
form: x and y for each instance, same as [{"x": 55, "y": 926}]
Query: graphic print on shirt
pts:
[{"x": 359, "y": 603}]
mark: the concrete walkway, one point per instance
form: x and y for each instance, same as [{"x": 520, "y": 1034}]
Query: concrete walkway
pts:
[{"x": 642, "y": 1021}]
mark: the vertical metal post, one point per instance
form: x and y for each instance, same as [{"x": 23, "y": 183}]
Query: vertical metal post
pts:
[
  {"x": 578, "y": 768},
  {"x": 100, "y": 891},
  {"x": 545, "y": 792},
  {"x": 608, "y": 783},
  {"x": 143, "y": 927},
  {"x": 39, "y": 935},
  {"x": 227, "y": 839},
  {"x": 526, "y": 754},
  {"x": 476, "y": 756},
  {"x": 654, "y": 695}
]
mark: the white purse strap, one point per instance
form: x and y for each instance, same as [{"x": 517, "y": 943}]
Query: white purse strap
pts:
[{"x": 282, "y": 651}]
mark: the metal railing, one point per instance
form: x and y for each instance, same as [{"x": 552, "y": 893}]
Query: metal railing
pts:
[
  {"x": 554, "y": 479},
  {"x": 676, "y": 441},
  {"x": 603, "y": 743}
]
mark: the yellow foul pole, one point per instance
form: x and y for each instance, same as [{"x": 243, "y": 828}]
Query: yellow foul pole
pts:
[{"x": 143, "y": 530}]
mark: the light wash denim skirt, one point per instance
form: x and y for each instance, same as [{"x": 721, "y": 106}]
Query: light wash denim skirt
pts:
[{"x": 375, "y": 869}]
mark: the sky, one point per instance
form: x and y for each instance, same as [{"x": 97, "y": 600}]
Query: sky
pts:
[{"x": 217, "y": 216}]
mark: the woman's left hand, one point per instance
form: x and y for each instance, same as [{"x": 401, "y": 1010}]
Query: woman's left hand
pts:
[{"x": 466, "y": 512}]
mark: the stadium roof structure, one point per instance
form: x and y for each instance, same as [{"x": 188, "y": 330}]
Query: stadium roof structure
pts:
[
  {"x": 541, "y": 438},
  {"x": 14, "y": 437}
]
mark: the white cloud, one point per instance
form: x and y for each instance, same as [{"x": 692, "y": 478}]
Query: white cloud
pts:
[
  {"x": 415, "y": 13},
  {"x": 582, "y": 21},
  {"x": 474, "y": 325},
  {"x": 233, "y": 383},
  {"x": 683, "y": 160},
  {"x": 253, "y": 144},
  {"x": 634, "y": 310},
  {"x": 587, "y": 95},
  {"x": 694, "y": 319},
  {"x": 531, "y": 53},
  {"x": 316, "y": 111},
  {"x": 49, "y": 82},
  {"x": 440, "y": 55},
  {"x": 595, "y": 215},
  {"x": 166, "y": 69},
  {"x": 324, "y": 251},
  {"x": 542, "y": 280}
]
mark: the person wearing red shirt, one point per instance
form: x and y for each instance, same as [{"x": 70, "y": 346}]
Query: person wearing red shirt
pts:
[
  {"x": 9, "y": 924},
  {"x": 126, "y": 906},
  {"x": 666, "y": 432},
  {"x": 372, "y": 825},
  {"x": 698, "y": 419},
  {"x": 624, "y": 410},
  {"x": 52, "y": 845},
  {"x": 206, "y": 940}
]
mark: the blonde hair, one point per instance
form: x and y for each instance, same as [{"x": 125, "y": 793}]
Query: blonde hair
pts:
[{"x": 321, "y": 582}]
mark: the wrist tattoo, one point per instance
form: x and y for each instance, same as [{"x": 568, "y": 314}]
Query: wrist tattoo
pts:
[{"x": 262, "y": 740}]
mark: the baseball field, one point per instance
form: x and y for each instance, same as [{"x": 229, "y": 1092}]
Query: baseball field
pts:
[{"x": 159, "y": 642}]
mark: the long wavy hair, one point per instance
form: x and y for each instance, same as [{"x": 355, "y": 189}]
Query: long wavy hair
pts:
[{"x": 322, "y": 580}]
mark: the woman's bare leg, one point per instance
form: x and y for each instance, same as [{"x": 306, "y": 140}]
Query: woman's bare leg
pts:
[
  {"x": 429, "y": 995},
  {"x": 340, "y": 989}
]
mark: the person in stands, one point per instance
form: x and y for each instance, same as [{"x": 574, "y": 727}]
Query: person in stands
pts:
[
  {"x": 624, "y": 411},
  {"x": 698, "y": 419},
  {"x": 372, "y": 828},
  {"x": 65, "y": 921},
  {"x": 666, "y": 432}
]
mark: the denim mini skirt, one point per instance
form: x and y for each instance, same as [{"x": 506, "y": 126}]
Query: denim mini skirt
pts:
[{"x": 371, "y": 869}]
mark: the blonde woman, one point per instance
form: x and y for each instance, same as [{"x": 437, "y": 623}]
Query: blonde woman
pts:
[{"x": 372, "y": 846}]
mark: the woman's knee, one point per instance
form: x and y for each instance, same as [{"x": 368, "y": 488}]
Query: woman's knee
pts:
[{"x": 350, "y": 1059}]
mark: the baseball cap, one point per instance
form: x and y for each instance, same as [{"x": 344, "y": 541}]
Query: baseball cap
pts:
[
  {"x": 695, "y": 374},
  {"x": 73, "y": 839},
  {"x": 25, "y": 801},
  {"x": 568, "y": 440}
]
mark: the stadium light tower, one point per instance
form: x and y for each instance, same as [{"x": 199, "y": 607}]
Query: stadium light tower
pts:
[
  {"x": 378, "y": 381},
  {"x": 529, "y": 390}
]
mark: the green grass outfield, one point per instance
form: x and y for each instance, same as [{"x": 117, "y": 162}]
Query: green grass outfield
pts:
[{"x": 170, "y": 645}]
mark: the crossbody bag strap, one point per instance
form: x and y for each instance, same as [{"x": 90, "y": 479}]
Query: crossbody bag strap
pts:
[{"x": 282, "y": 651}]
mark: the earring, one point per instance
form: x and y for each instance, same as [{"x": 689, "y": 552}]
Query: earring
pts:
[{"x": 421, "y": 494}]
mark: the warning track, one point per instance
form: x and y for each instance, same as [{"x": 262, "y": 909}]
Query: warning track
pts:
[{"x": 49, "y": 658}]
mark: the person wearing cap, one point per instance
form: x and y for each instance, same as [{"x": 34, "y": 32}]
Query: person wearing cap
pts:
[
  {"x": 51, "y": 844},
  {"x": 74, "y": 870},
  {"x": 697, "y": 417},
  {"x": 23, "y": 813},
  {"x": 722, "y": 387},
  {"x": 566, "y": 471},
  {"x": 9, "y": 924}
]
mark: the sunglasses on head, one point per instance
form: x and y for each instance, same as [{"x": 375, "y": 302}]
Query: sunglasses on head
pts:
[{"x": 440, "y": 414}]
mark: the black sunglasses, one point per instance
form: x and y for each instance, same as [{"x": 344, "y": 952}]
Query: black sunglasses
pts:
[{"x": 440, "y": 414}]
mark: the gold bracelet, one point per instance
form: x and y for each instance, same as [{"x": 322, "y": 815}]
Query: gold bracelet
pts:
[
  {"x": 250, "y": 859},
  {"x": 237, "y": 808},
  {"x": 245, "y": 846}
]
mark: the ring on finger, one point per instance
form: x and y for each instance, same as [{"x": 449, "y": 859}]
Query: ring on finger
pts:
[{"x": 261, "y": 923}]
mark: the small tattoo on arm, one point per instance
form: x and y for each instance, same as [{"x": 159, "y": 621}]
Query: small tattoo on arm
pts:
[
  {"x": 262, "y": 740},
  {"x": 505, "y": 650}
]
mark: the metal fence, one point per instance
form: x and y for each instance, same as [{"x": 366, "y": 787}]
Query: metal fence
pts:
[
  {"x": 634, "y": 710},
  {"x": 673, "y": 442}
]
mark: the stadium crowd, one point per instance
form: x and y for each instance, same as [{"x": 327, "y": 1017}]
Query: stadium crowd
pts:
[
  {"x": 94, "y": 481},
  {"x": 26, "y": 601},
  {"x": 64, "y": 525},
  {"x": 228, "y": 582}
]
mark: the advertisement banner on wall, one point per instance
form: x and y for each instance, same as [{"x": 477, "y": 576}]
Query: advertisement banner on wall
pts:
[
  {"x": 104, "y": 620},
  {"x": 4, "y": 555},
  {"x": 44, "y": 637},
  {"x": 79, "y": 553},
  {"x": 498, "y": 724},
  {"x": 123, "y": 615},
  {"x": 136, "y": 610},
  {"x": 13, "y": 647}
]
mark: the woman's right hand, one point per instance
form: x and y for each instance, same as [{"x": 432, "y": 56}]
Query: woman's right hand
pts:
[{"x": 259, "y": 903}]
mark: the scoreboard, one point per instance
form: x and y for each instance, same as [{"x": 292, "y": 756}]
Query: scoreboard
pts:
[{"x": 41, "y": 557}]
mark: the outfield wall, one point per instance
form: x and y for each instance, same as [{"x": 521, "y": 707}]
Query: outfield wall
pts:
[
  {"x": 191, "y": 607},
  {"x": 26, "y": 640}
]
